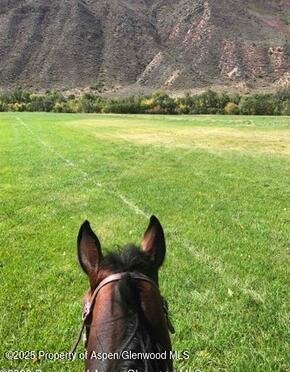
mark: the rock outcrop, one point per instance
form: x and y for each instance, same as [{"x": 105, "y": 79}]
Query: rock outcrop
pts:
[{"x": 178, "y": 44}]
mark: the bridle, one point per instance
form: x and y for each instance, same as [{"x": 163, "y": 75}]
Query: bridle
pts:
[{"x": 110, "y": 279}]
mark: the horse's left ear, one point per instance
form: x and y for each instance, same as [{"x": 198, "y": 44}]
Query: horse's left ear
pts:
[
  {"x": 89, "y": 249},
  {"x": 154, "y": 241}
]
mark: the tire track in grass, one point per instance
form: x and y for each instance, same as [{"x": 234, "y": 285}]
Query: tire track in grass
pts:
[
  {"x": 212, "y": 263},
  {"x": 219, "y": 268},
  {"x": 70, "y": 163}
]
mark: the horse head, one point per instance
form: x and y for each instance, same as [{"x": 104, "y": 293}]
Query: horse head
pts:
[{"x": 125, "y": 317}]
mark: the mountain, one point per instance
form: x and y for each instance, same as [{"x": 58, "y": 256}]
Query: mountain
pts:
[{"x": 144, "y": 44}]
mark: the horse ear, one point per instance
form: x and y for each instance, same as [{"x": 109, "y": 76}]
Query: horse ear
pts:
[
  {"x": 89, "y": 248},
  {"x": 154, "y": 241}
]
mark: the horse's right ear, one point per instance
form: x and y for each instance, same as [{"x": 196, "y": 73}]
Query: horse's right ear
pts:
[{"x": 89, "y": 249}]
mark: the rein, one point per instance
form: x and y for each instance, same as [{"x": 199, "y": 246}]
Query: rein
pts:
[{"x": 114, "y": 278}]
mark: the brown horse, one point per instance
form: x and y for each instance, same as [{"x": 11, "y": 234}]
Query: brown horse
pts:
[{"x": 126, "y": 318}]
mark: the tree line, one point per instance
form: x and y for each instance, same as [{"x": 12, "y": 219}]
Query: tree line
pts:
[{"x": 208, "y": 102}]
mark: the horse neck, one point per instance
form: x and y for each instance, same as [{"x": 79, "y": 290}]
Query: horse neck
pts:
[
  {"x": 114, "y": 329},
  {"x": 106, "y": 330}
]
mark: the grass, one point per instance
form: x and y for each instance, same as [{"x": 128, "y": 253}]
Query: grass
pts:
[{"x": 219, "y": 185}]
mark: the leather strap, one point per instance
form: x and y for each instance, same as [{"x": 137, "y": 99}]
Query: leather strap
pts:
[{"x": 110, "y": 279}]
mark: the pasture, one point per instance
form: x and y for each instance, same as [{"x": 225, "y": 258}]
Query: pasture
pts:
[{"x": 220, "y": 187}]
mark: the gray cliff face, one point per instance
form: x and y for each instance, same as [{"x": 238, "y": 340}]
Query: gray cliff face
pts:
[{"x": 176, "y": 44}]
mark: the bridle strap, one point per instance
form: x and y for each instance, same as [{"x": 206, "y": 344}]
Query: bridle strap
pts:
[
  {"x": 110, "y": 279},
  {"x": 78, "y": 338}
]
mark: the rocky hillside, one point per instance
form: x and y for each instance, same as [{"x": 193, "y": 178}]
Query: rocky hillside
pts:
[{"x": 144, "y": 44}]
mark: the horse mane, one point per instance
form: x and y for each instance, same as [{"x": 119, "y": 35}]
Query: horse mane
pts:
[{"x": 139, "y": 337}]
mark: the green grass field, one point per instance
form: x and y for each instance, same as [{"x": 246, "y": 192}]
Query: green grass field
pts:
[{"x": 220, "y": 185}]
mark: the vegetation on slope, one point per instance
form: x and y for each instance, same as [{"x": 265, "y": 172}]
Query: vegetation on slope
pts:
[{"x": 160, "y": 102}]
